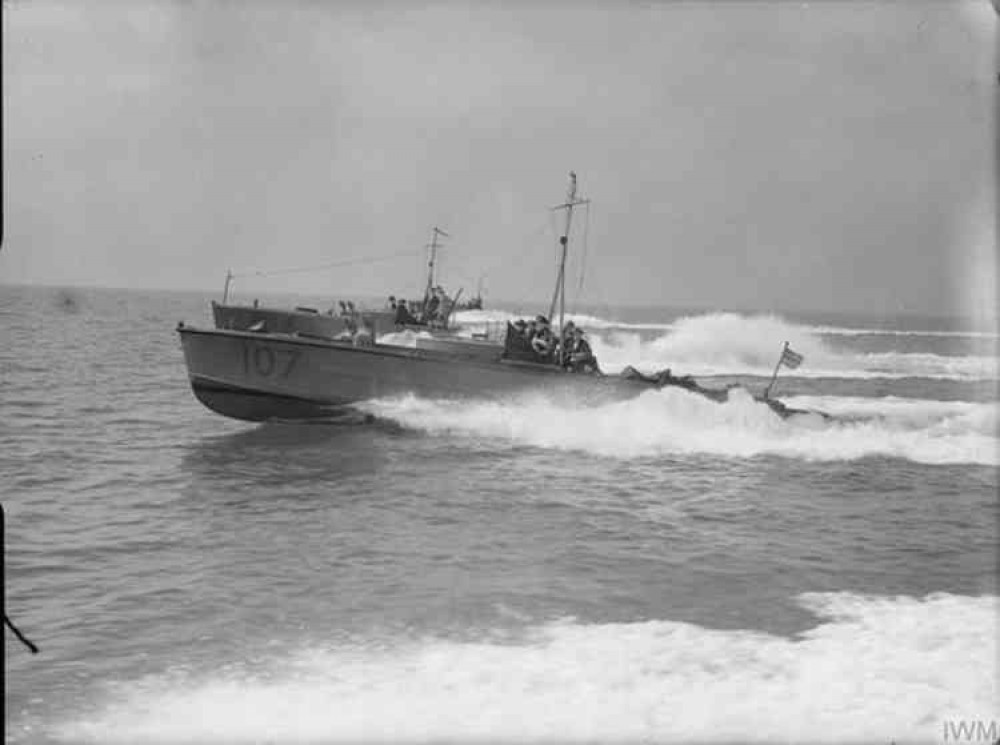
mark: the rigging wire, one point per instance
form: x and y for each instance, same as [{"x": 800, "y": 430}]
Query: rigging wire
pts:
[
  {"x": 583, "y": 258},
  {"x": 578, "y": 292},
  {"x": 326, "y": 265},
  {"x": 528, "y": 243},
  {"x": 597, "y": 292}
]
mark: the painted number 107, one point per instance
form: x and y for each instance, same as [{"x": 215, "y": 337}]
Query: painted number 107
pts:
[{"x": 267, "y": 362}]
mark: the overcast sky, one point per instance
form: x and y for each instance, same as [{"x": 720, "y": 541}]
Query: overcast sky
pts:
[{"x": 768, "y": 155}]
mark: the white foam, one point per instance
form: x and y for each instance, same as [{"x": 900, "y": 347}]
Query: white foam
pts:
[
  {"x": 672, "y": 421},
  {"x": 735, "y": 344},
  {"x": 479, "y": 318},
  {"x": 960, "y": 416},
  {"x": 482, "y": 317},
  {"x": 876, "y": 669},
  {"x": 731, "y": 344},
  {"x": 594, "y": 322},
  {"x": 404, "y": 338},
  {"x": 591, "y": 322},
  {"x": 848, "y": 331}
]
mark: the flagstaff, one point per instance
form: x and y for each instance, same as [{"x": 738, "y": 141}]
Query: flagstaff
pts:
[{"x": 788, "y": 358}]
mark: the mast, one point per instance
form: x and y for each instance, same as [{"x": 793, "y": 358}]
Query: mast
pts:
[
  {"x": 560, "y": 291},
  {"x": 430, "y": 263}
]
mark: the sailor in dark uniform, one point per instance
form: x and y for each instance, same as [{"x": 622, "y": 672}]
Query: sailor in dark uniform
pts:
[
  {"x": 431, "y": 312},
  {"x": 403, "y": 315},
  {"x": 444, "y": 302},
  {"x": 544, "y": 341},
  {"x": 581, "y": 356},
  {"x": 564, "y": 347}
]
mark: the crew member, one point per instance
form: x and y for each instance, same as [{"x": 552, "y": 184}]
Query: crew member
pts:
[
  {"x": 443, "y": 298},
  {"x": 543, "y": 343},
  {"x": 403, "y": 315},
  {"x": 581, "y": 357},
  {"x": 362, "y": 335},
  {"x": 433, "y": 303},
  {"x": 564, "y": 347}
]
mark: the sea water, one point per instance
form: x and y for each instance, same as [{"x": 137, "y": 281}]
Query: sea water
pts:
[{"x": 666, "y": 569}]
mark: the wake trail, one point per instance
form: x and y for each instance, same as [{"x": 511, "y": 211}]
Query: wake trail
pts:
[{"x": 670, "y": 422}]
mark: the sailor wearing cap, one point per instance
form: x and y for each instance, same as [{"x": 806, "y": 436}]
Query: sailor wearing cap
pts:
[
  {"x": 431, "y": 310},
  {"x": 565, "y": 345},
  {"x": 581, "y": 356},
  {"x": 543, "y": 341}
]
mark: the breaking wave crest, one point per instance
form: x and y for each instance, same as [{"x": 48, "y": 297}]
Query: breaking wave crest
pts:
[
  {"x": 475, "y": 318},
  {"x": 672, "y": 421},
  {"x": 842, "y": 331},
  {"x": 734, "y": 344},
  {"x": 730, "y": 344},
  {"x": 875, "y": 669}
]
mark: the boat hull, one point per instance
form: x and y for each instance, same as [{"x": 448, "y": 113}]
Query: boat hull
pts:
[
  {"x": 252, "y": 405},
  {"x": 462, "y": 347},
  {"x": 261, "y": 377}
]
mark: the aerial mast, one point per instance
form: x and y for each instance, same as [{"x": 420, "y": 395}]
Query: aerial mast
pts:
[
  {"x": 430, "y": 263},
  {"x": 560, "y": 290}
]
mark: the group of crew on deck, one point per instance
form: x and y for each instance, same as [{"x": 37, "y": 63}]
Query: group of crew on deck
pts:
[
  {"x": 571, "y": 349},
  {"x": 433, "y": 311}
]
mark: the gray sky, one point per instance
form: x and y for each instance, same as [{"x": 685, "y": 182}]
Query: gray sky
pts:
[{"x": 783, "y": 155}]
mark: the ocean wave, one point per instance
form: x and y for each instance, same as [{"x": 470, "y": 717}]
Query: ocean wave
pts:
[
  {"x": 734, "y": 344},
  {"x": 874, "y": 669},
  {"x": 966, "y": 416},
  {"x": 729, "y": 344},
  {"x": 846, "y": 331},
  {"x": 672, "y": 421},
  {"x": 475, "y": 318}
]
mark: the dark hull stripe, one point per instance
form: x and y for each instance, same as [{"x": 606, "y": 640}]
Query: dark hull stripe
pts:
[{"x": 260, "y": 406}]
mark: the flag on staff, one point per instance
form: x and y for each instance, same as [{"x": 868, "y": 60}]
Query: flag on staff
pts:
[{"x": 791, "y": 359}]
